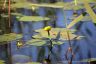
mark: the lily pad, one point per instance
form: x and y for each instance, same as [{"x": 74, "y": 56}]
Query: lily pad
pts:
[
  {"x": 86, "y": 18},
  {"x": 63, "y": 36},
  {"x": 88, "y": 60},
  {"x": 32, "y": 18},
  {"x": 5, "y": 15},
  {"x": 20, "y": 58},
  {"x": 20, "y": 5},
  {"x": 30, "y": 63},
  {"x": 57, "y": 36},
  {"x": 36, "y": 42},
  {"x": 57, "y": 30},
  {"x": 16, "y": 14},
  {"x": 65, "y": 6},
  {"x": 53, "y": 32},
  {"x": 23, "y": 5},
  {"x": 2, "y": 62},
  {"x": 20, "y": 1},
  {"x": 41, "y": 42},
  {"x": 90, "y": 1},
  {"x": 4, "y": 39}
]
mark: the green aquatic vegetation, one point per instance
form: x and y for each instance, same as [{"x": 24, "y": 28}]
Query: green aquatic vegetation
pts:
[
  {"x": 23, "y": 18},
  {"x": 88, "y": 60},
  {"x": 90, "y": 1},
  {"x": 65, "y": 6},
  {"x": 19, "y": 56},
  {"x": 4, "y": 15},
  {"x": 85, "y": 19},
  {"x": 57, "y": 35},
  {"x": 2, "y": 62},
  {"x": 23, "y": 5},
  {"x": 20, "y": 5},
  {"x": 14, "y": 14},
  {"x": 5, "y": 38},
  {"x": 30, "y": 63},
  {"x": 31, "y": 18}
]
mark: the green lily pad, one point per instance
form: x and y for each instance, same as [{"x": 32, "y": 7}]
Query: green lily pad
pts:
[
  {"x": 20, "y": 5},
  {"x": 40, "y": 42},
  {"x": 88, "y": 60},
  {"x": 90, "y": 1},
  {"x": 42, "y": 38},
  {"x": 36, "y": 42},
  {"x": 57, "y": 30},
  {"x": 30, "y": 63},
  {"x": 57, "y": 43},
  {"x": 54, "y": 32},
  {"x": 16, "y": 14},
  {"x": 2, "y": 62},
  {"x": 86, "y": 18},
  {"x": 23, "y": 5},
  {"x": 63, "y": 36},
  {"x": 20, "y": 1},
  {"x": 32, "y": 18},
  {"x": 65, "y": 6},
  {"x": 5, "y": 15},
  {"x": 4, "y": 39},
  {"x": 18, "y": 57}
]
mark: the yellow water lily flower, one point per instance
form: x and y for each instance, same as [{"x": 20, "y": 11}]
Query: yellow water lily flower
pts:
[{"x": 47, "y": 28}]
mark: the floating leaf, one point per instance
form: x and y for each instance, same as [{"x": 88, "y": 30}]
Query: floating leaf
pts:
[
  {"x": 16, "y": 14},
  {"x": 65, "y": 6},
  {"x": 57, "y": 36},
  {"x": 5, "y": 15},
  {"x": 36, "y": 42},
  {"x": 30, "y": 63},
  {"x": 89, "y": 1},
  {"x": 53, "y": 32},
  {"x": 41, "y": 42},
  {"x": 32, "y": 18},
  {"x": 20, "y": 5},
  {"x": 9, "y": 37},
  {"x": 19, "y": 58},
  {"x": 88, "y": 60},
  {"x": 2, "y": 62},
  {"x": 20, "y": 1},
  {"x": 57, "y": 30}
]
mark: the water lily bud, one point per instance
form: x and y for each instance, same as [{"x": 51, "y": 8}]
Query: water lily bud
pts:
[
  {"x": 19, "y": 44},
  {"x": 48, "y": 28},
  {"x": 34, "y": 8}
]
